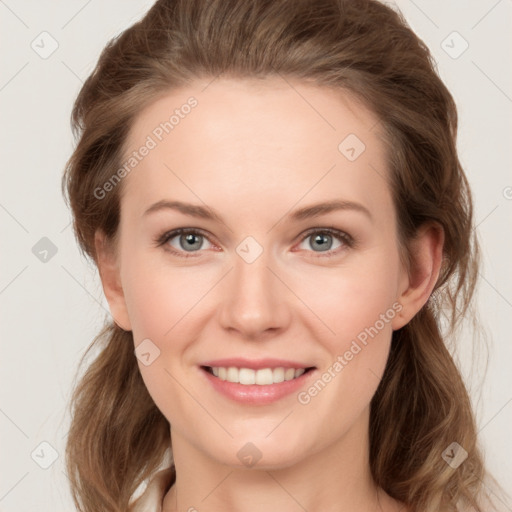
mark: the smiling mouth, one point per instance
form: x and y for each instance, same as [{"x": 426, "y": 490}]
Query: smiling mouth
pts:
[{"x": 262, "y": 377}]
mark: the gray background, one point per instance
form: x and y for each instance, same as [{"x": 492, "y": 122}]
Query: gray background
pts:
[{"x": 52, "y": 303}]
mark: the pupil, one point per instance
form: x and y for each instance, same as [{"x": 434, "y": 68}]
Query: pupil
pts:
[
  {"x": 190, "y": 241},
  {"x": 321, "y": 239}
]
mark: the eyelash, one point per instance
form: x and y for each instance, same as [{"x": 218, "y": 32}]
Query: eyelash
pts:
[{"x": 347, "y": 240}]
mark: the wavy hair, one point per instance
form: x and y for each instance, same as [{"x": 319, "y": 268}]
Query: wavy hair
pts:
[{"x": 363, "y": 47}]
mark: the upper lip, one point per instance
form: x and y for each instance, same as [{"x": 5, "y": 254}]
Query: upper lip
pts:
[{"x": 255, "y": 364}]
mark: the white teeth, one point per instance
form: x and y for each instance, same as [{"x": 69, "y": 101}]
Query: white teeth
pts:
[
  {"x": 246, "y": 376},
  {"x": 278, "y": 375},
  {"x": 289, "y": 374},
  {"x": 232, "y": 374},
  {"x": 262, "y": 377}
]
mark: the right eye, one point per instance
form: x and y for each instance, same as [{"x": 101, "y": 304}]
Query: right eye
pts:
[{"x": 179, "y": 241}]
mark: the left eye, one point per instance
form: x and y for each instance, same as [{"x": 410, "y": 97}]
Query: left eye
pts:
[{"x": 323, "y": 240}]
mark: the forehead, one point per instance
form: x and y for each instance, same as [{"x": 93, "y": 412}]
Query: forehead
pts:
[{"x": 244, "y": 138}]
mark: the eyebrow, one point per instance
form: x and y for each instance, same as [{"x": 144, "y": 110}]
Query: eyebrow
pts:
[{"x": 307, "y": 212}]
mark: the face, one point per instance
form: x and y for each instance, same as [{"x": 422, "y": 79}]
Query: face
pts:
[{"x": 302, "y": 298}]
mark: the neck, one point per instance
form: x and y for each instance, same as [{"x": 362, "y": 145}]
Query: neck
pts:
[{"x": 334, "y": 478}]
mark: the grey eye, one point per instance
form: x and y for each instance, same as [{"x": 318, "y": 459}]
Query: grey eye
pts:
[
  {"x": 320, "y": 242},
  {"x": 189, "y": 242}
]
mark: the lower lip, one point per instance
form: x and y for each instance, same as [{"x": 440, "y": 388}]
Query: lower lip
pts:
[{"x": 254, "y": 393}]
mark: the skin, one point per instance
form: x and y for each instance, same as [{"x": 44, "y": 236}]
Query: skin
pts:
[{"x": 255, "y": 152}]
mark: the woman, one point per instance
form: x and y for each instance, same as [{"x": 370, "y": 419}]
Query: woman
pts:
[{"x": 281, "y": 349}]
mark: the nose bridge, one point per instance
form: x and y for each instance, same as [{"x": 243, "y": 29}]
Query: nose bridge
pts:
[{"x": 255, "y": 300}]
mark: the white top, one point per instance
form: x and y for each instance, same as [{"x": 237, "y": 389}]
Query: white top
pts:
[{"x": 149, "y": 496}]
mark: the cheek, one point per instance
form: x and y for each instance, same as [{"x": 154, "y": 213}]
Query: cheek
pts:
[
  {"x": 353, "y": 299},
  {"x": 161, "y": 303},
  {"x": 358, "y": 305},
  {"x": 356, "y": 359},
  {"x": 160, "y": 298}
]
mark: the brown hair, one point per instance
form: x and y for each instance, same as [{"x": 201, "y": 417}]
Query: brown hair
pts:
[{"x": 118, "y": 435}]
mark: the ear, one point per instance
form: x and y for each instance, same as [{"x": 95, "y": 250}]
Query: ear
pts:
[
  {"x": 426, "y": 256},
  {"x": 111, "y": 280}
]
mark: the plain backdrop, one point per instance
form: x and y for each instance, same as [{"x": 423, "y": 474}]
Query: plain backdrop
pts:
[{"x": 51, "y": 299}]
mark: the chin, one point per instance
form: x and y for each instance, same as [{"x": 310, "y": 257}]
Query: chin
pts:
[{"x": 260, "y": 453}]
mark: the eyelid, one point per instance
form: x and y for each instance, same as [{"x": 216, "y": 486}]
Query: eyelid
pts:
[{"x": 347, "y": 240}]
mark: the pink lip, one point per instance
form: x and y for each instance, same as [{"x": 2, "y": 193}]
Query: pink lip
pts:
[
  {"x": 255, "y": 364},
  {"x": 255, "y": 394}
]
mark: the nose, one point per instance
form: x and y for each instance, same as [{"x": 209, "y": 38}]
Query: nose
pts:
[{"x": 255, "y": 302}]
